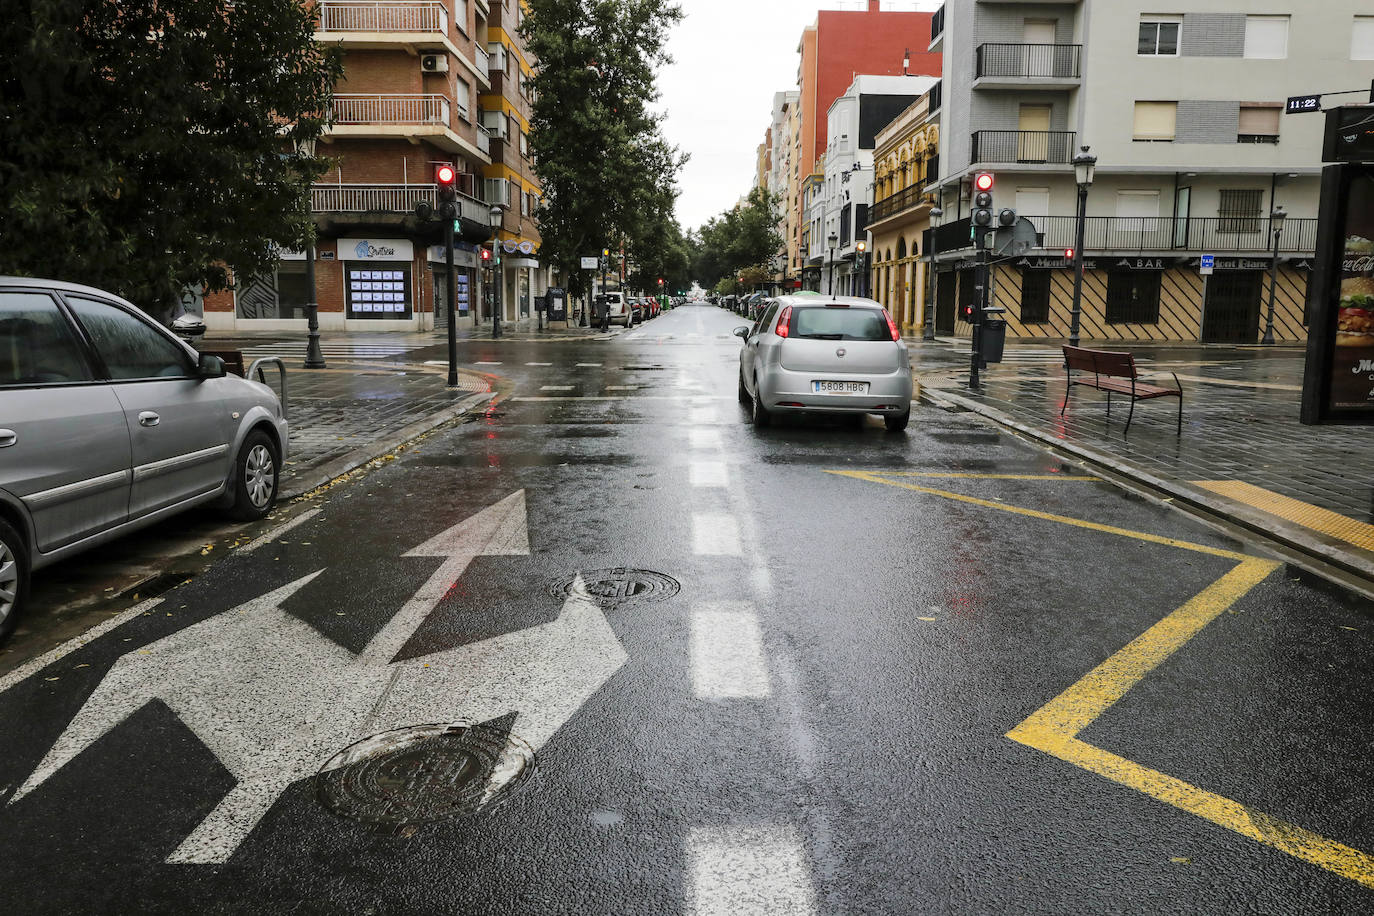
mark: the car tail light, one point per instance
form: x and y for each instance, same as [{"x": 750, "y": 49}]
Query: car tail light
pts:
[
  {"x": 785, "y": 322},
  {"x": 891, "y": 326}
]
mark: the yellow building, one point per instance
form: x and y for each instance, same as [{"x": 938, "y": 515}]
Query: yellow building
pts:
[{"x": 905, "y": 160}]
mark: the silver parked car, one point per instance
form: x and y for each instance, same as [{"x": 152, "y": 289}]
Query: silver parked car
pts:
[
  {"x": 108, "y": 423},
  {"x": 810, "y": 354}
]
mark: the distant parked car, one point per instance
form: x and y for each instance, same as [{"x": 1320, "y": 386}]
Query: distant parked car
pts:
[
  {"x": 831, "y": 356},
  {"x": 622, "y": 312},
  {"x": 110, "y": 423}
]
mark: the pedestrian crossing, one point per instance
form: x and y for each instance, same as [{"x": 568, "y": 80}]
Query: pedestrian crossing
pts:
[{"x": 341, "y": 349}]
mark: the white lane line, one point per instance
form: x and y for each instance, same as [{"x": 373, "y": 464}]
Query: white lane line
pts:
[
  {"x": 622, "y": 387},
  {"x": 538, "y": 364},
  {"x": 704, "y": 438},
  {"x": 748, "y": 871},
  {"x": 727, "y": 652},
  {"x": 701, "y": 415},
  {"x": 589, "y": 365},
  {"x": 612, "y": 397},
  {"x": 275, "y": 533},
  {"x": 715, "y": 534},
  {"x": 556, "y": 388},
  {"x": 485, "y": 362},
  {"x": 709, "y": 474},
  {"x": 71, "y": 645}
]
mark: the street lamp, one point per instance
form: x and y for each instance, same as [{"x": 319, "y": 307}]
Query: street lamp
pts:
[
  {"x": 1084, "y": 165},
  {"x": 935, "y": 214},
  {"x": 833, "y": 240},
  {"x": 1275, "y": 223},
  {"x": 495, "y": 272},
  {"x": 314, "y": 358}
]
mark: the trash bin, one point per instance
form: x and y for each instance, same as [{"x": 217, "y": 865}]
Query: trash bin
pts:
[{"x": 992, "y": 338}]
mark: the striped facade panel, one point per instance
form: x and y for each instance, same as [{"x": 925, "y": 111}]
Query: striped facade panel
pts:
[
  {"x": 1213, "y": 35},
  {"x": 1207, "y": 121}
]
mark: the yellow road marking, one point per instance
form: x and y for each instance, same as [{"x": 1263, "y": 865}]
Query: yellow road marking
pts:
[
  {"x": 943, "y": 476},
  {"x": 877, "y": 477},
  {"x": 1053, "y": 729},
  {"x": 1338, "y": 526}
]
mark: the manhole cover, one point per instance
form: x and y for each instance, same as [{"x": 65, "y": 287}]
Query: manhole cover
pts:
[
  {"x": 610, "y": 587},
  {"x": 424, "y": 773}
]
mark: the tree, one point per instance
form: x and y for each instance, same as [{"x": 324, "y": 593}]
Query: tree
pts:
[
  {"x": 150, "y": 143},
  {"x": 742, "y": 237},
  {"x": 608, "y": 174}
]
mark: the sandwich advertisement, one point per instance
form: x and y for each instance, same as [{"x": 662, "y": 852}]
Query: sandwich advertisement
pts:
[{"x": 1352, "y": 364}]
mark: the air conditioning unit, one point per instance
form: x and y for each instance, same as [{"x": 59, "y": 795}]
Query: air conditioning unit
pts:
[{"x": 434, "y": 63}]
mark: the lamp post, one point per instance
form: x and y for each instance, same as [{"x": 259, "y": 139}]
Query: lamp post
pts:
[
  {"x": 1084, "y": 165},
  {"x": 1276, "y": 224},
  {"x": 314, "y": 358},
  {"x": 496, "y": 272},
  {"x": 834, "y": 240},
  {"x": 929, "y": 332}
]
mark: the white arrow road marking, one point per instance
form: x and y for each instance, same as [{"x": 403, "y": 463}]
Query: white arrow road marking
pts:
[{"x": 273, "y": 698}]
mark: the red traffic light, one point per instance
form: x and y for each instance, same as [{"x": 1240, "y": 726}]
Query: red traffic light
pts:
[
  {"x": 983, "y": 181},
  {"x": 445, "y": 175},
  {"x": 486, "y": 254},
  {"x": 1068, "y": 254},
  {"x": 660, "y": 281}
]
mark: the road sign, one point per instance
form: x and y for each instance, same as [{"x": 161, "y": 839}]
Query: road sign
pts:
[
  {"x": 1301, "y": 104},
  {"x": 1209, "y": 264},
  {"x": 589, "y": 264}
]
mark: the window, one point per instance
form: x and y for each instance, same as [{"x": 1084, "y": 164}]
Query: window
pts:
[
  {"x": 1159, "y": 36},
  {"x": 131, "y": 348},
  {"x": 1258, "y": 123},
  {"x": 462, "y": 94},
  {"x": 1362, "y": 39},
  {"x": 1240, "y": 210},
  {"x": 1035, "y": 296},
  {"x": 1154, "y": 121},
  {"x": 1133, "y": 297},
  {"x": 524, "y": 204},
  {"x": 1137, "y": 211},
  {"x": 524, "y": 143},
  {"x": 36, "y": 344},
  {"x": 460, "y": 15},
  {"x": 1266, "y": 37}
]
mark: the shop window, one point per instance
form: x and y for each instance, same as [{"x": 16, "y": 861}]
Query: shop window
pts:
[
  {"x": 1035, "y": 296},
  {"x": 378, "y": 290},
  {"x": 1133, "y": 297}
]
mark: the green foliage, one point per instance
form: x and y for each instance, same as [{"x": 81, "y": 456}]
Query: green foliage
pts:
[
  {"x": 742, "y": 237},
  {"x": 607, "y": 172},
  {"x": 150, "y": 142},
  {"x": 725, "y": 286}
]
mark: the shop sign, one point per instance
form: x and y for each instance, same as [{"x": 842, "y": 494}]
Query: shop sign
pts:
[
  {"x": 1143, "y": 264},
  {"x": 1233, "y": 263},
  {"x": 376, "y": 249},
  {"x": 1046, "y": 263}
]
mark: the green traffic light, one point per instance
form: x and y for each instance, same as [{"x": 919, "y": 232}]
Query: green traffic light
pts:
[{"x": 456, "y": 227}]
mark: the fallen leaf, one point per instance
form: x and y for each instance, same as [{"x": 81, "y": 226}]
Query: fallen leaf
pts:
[
  {"x": 1181, "y": 860},
  {"x": 927, "y": 618}
]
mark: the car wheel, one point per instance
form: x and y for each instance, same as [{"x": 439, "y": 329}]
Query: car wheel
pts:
[
  {"x": 255, "y": 479},
  {"x": 743, "y": 391},
  {"x": 897, "y": 422},
  {"x": 14, "y": 577},
  {"x": 758, "y": 413}
]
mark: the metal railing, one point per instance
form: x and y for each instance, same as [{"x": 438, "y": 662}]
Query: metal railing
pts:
[
  {"x": 394, "y": 198},
  {"x": 937, "y": 24},
  {"x": 481, "y": 58},
  {"x": 1203, "y": 234},
  {"x": 483, "y": 140},
  {"x": 1021, "y": 60},
  {"x": 905, "y": 199},
  {"x": 383, "y": 16},
  {"x": 391, "y": 109},
  {"x": 1029, "y": 146}
]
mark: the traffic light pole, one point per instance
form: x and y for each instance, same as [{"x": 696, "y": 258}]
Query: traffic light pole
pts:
[
  {"x": 452, "y": 312},
  {"x": 496, "y": 283},
  {"x": 983, "y": 271}
]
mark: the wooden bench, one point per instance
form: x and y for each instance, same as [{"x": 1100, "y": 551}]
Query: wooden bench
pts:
[{"x": 1113, "y": 371}]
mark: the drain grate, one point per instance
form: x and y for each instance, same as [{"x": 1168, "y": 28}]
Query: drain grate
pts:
[
  {"x": 612, "y": 587},
  {"x": 424, "y": 773}
]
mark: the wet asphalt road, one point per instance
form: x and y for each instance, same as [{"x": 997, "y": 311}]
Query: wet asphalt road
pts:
[{"x": 816, "y": 722}]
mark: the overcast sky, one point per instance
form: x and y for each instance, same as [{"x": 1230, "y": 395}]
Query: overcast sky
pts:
[{"x": 730, "y": 57}]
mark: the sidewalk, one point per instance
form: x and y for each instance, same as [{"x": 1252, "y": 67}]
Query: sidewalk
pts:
[{"x": 1243, "y": 455}]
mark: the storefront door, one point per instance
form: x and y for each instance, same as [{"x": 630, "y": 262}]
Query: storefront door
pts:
[
  {"x": 945, "y": 298},
  {"x": 1231, "y": 314}
]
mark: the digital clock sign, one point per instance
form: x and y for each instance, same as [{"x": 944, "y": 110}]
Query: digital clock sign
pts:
[{"x": 1300, "y": 104}]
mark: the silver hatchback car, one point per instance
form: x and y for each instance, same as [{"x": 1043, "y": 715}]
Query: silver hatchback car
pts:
[
  {"x": 813, "y": 354},
  {"x": 108, "y": 423}
]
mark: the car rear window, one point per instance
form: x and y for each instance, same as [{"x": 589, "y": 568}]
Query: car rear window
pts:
[{"x": 839, "y": 324}]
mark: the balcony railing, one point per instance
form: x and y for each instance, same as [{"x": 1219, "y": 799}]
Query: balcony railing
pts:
[
  {"x": 394, "y": 198},
  {"x": 1029, "y": 61},
  {"x": 905, "y": 199},
  {"x": 481, "y": 58},
  {"x": 383, "y": 16},
  {"x": 391, "y": 109},
  {"x": 937, "y": 24},
  {"x": 1208, "y": 234},
  {"x": 1026, "y": 146},
  {"x": 483, "y": 140}
]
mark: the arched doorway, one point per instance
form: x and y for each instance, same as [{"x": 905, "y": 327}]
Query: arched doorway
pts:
[{"x": 899, "y": 289}]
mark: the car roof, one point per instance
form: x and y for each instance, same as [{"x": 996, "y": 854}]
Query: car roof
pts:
[
  {"x": 814, "y": 299},
  {"x": 62, "y": 285}
]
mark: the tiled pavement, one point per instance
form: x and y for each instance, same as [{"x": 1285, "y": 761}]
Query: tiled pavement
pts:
[{"x": 1240, "y": 424}]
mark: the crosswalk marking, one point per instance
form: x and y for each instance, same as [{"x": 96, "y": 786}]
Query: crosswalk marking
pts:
[
  {"x": 709, "y": 474},
  {"x": 727, "y": 652},
  {"x": 715, "y": 534}
]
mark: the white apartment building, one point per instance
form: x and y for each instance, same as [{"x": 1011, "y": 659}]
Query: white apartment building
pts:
[
  {"x": 1183, "y": 108},
  {"x": 780, "y": 174},
  {"x": 853, "y": 122}
]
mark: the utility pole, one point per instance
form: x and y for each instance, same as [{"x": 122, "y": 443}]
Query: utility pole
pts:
[{"x": 444, "y": 178}]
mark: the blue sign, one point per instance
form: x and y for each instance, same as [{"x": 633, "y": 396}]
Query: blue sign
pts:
[{"x": 1209, "y": 263}]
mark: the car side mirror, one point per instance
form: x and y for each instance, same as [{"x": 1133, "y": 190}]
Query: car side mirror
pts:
[
  {"x": 210, "y": 366},
  {"x": 741, "y": 333}
]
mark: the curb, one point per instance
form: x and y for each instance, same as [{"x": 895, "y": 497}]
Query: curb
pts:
[
  {"x": 312, "y": 478},
  {"x": 1295, "y": 537}
]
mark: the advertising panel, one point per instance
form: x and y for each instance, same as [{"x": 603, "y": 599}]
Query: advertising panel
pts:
[{"x": 1352, "y": 364}]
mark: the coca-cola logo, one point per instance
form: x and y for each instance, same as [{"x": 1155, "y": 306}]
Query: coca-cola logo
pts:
[{"x": 1360, "y": 264}]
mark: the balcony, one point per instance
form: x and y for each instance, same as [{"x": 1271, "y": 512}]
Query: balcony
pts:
[
  {"x": 483, "y": 140},
  {"x": 483, "y": 61},
  {"x": 906, "y": 199},
  {"x": 937, "y": 28},
  {"x": 1155, "y": 235},
  {"x": 412, "y": 117},
  {"x": 1026, "y": 66},
  {"x": 393, "y": 199},
  {"x": 383, "y": 16},
  {"x": 1029, "y": 147}
]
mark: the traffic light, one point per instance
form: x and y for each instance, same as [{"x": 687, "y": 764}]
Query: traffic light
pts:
[
  {"x": 1006, "y": 217},
  {"x": 1068, "y": 254},
  {"x": 982, "y": 200},
  {"x": 862, "y": 246},
  {"x": 486, "y": 254},
  {"x": 445, "y": 178},
  {"x": 966, "y": 312},
  {"x": 660, "y": 281}
]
